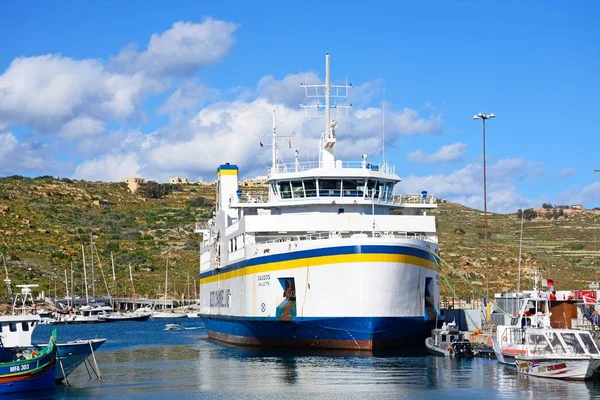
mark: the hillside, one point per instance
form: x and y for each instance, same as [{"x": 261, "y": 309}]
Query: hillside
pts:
[
  {"x": 564, "y": 248},
  {"x": 44, "y": 221}
]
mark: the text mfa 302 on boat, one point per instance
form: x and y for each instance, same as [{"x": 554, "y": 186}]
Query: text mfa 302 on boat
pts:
[{"x": 323, "y": 262}]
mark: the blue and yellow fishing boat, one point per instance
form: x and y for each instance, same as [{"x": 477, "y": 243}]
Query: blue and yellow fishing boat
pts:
[{"x": 28, "y": 370}]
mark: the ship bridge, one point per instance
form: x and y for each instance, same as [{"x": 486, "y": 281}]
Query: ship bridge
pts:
[{"x": 348, "y": 183}]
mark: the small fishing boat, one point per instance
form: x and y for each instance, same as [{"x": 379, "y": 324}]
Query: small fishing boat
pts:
[
  {"x": 448, "y": 341},
  {"x": 565, "y": 354},
  {"x": 173, "y": 327},
  {"x": 27, "y": 370},
  {"x": 16, "y": 331}
]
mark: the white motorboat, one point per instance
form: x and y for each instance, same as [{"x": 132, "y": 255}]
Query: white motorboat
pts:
[
  {"x": 167, "y": 315},
  {"x": 566, "y": 354},
  {"x": 448, "y": 341},
  {"x": 533, "y": 313},
  {"x": 86, "y": 314},
  {"x": 173, "y": 327}
]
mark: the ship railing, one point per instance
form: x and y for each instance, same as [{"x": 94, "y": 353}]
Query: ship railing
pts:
[
  {"x": 413, "y": 199},
  {"x": 311, "y": 194},
  {"x": 249, "y": 198},
  {"x": 260, "y": 240},
  {"x": 459, "y": 303},
  {"x": 283, "y": 167}
]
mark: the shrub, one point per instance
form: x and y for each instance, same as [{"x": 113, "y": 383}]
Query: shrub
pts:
[
  {"x": 153, "y": 190},
  {"x": 112, "y": 246},
  {"x": 199, "y": 202},
  {"x": 60, "y": 255},
  {"x": 546, "y": 205},
  {"x": 529, "y": 214},
  {"x": 578, "y": 246}
]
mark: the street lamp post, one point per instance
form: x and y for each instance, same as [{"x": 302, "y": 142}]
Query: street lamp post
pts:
[{"x": 483, "y": 118}]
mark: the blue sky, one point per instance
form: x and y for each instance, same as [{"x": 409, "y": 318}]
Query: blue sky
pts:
[{"x": 111, "y": 89}]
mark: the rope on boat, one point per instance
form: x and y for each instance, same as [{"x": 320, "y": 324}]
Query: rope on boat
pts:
[
  {"x": 454, "y": 294},
  {"x": 438, "y": 259}
]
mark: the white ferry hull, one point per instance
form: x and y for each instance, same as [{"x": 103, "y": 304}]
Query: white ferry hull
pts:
[{"x": 356, "y": 296}]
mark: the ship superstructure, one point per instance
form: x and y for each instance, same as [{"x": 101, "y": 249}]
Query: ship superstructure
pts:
[{"x": 322, "y": 262}]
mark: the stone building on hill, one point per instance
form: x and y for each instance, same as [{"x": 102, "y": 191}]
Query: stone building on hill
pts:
[{"x": 133, "y": 183}]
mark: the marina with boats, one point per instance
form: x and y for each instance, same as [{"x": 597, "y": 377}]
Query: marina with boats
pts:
[{"x": 332, "y": 260}]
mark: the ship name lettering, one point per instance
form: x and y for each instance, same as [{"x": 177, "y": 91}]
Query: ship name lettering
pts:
[{"x": 220, "y": 298}]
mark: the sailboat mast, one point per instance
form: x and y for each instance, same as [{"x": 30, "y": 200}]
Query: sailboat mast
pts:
[
  {"x": 67, "y": 287},
  {"x": 112, "y": 263},
  {"x": 87, "y": 297},
  {"x": 520, "y": 248},
  {"x": 93, "y": 273},
  {"x": 72, "y": 293},
  {"x": 188, "y": 287},
  {"x": 195, "y": 293},
  {"x": 166, "y": 280},
  {"x": 132, "y": 288}
]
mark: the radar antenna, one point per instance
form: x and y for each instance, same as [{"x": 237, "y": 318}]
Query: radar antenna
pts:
[{"x": 327, "y": 91}]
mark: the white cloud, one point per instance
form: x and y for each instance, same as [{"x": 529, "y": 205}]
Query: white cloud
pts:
[
  {"x": 81, "y": 127},
  {"x": 16, "y": 156},
  {"x": 56, "y": 94},
  {"x": 586, "y": 195},
  {"x": 287, "y": 91},
  {"x": 397, "y": 123},
  {"x": 111, "y": 168},
  {"x": 227, "y": 131},
  {"x": 465, "y": 186},
  {"x": 181, "y": 50},
  {"x": 45, "y": 92},
  {"x": 187, "y": 98},
  {"x": 566, "y": 173},
  {"x": 449, "y": 153}
]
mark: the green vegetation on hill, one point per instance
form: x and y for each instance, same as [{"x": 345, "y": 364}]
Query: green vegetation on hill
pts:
[
  {"x": 44, "y": 221},
  {"x": 562, "y": 243}
]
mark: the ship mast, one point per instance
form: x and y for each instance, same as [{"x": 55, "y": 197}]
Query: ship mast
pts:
[
  {"x": 275, "y": 156},
  {"x": 327, "y": 91}
]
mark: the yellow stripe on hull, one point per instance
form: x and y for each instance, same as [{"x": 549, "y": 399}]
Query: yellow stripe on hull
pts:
[{"x": 318, "y": 261}]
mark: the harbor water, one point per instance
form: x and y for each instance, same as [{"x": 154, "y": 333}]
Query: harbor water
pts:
[{"x": 142, "y": 360}]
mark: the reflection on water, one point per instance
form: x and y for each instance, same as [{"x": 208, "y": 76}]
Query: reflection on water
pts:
[{"x": 144, "y": 361}]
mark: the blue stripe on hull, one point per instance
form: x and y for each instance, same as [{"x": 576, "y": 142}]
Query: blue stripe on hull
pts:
[
  {"x": 321, "y": 252},
  {"x": 42, "y": 382},
  {"x": 356, "y": 333}
]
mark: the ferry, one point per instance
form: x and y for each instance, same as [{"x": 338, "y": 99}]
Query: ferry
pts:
[{"x": 331, "y": 259}]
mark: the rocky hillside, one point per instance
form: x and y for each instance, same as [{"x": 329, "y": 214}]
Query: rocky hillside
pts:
[
  {"x": 563, "y": 243},
  {"x": 44, "y": 221}
]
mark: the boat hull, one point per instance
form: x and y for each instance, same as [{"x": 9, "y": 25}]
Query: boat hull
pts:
[
  {"x": 328, "y": 333},
  {"x": 564, "y": 369},
  {"x": 165, "y": 315},
  {"x": 436, "y": 351},
  {"x": 41, "y": 380},
  {"x": 73, "y": 354},
  {"x": 36, "y": 373},
  {"x": 138, "y": 318},
  {"x": 356, "y": 296}
]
